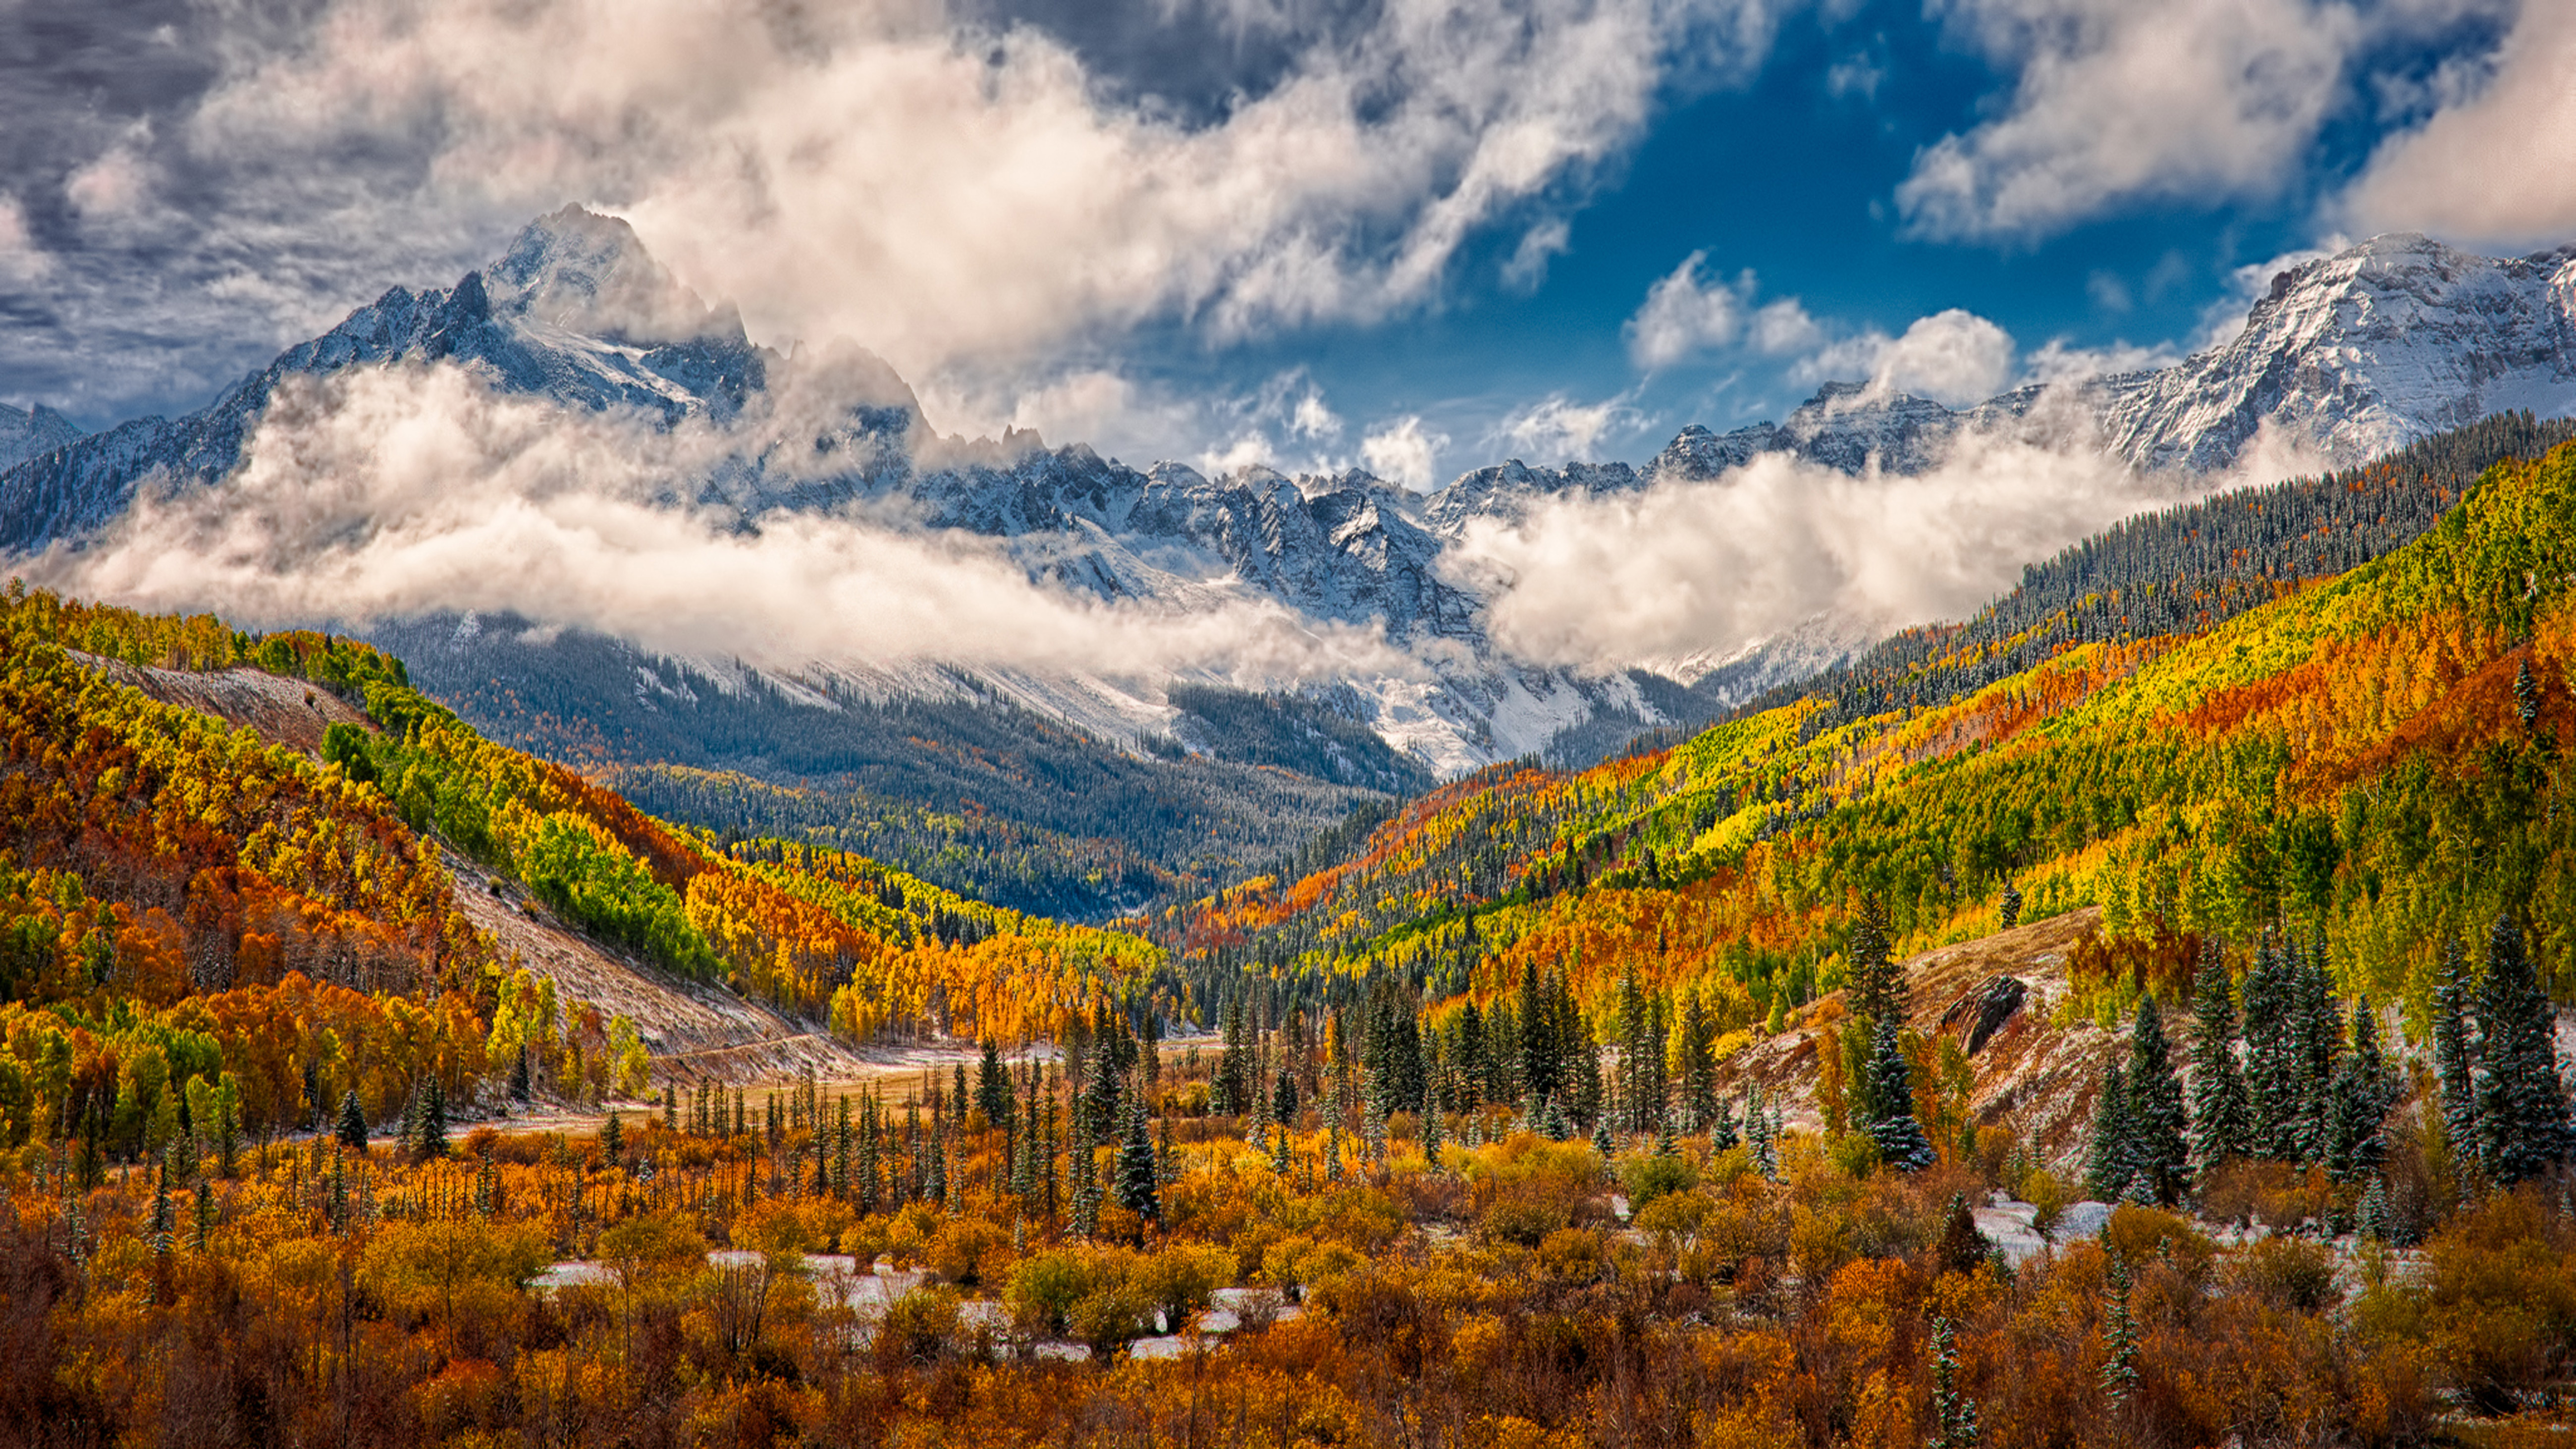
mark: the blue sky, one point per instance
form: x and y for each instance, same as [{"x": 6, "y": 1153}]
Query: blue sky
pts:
[{"x": 1238, "y": 230}]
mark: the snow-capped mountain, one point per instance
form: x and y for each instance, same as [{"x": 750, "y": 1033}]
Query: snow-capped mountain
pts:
[
  {"x": 2384, "y": 343},
  {"x": 2361, "y": 352},
  {"x": 38, "y": 430}
]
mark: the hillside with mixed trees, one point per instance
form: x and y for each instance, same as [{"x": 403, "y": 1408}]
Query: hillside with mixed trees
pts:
[{"x": 1710, "y": 1096}]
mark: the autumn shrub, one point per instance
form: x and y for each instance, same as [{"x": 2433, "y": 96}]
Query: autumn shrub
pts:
[
  {"x": 2290, "y": 1272},
  {"x": 921, "y": 1327},
  {"x": 2498, "y": 1295},
  {"x": 1650, "y": 1175},
  {"x": 1177, "y": 1281},
  {"x": 969, "y": 1251}
]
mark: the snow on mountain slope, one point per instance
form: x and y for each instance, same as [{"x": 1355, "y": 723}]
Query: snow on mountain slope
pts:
[
  {"x": 28, "y": 434},
  {"x": 2362, "y": 352},
  {"x": 2388, "y": 341}
]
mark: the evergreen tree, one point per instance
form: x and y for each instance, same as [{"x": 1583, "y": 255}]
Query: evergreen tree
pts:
[
  {"x": 2320, "y": 1048},
  {"x": 433, "y": 1122},
  {"x": 612, "y": 1139},
  {"x": 1137, "y": 1180},
  {"x": 2378, "y": 1220},
  {"x": 1963, "y": 1246},
  {"x": 2011, "y": 905},
  {"x": 1722, "y": 1133},
  {"x": 1954, "y": 1414},
  {"x": 1539, "y": 1064},
  {"x": 2271, "y": 1056},
  {"x": 1877, "y": 985},
  {"x": 1283, "y": 1098},
  {"x": 1230, "y": 1091},
  {"x": 2219, "y": 1126},
  {"x": 353, "y": 1121},
  {"x": 2156, "y": 1126},
  {"x": 2522, "y": 1102},
  {"x": 993, "y": 1087},
  {"x": 1701, "y": 1110},
  {"x": 2108, "y": 1168},
  {"x": 2119, "y": 1341},
  {"x": 2455, "y": 1054},
  {"x": 1901, "y": 1143}
]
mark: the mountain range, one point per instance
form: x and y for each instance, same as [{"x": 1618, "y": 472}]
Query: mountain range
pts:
[{"x": 2354, "y": 354}]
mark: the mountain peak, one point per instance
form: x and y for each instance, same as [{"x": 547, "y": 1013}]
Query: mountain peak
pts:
[{"x": 583, "y": 272}]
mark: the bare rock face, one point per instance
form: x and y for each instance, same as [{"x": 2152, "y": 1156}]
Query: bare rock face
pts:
[{"x": 1981, "y": 1013}]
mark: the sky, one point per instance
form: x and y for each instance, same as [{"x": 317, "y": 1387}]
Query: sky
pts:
[{"x": 1406, "y": 236}]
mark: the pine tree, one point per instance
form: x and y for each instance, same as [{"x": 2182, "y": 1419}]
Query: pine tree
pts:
[
  {"x": 2158, "y": 1153},
  {"x": 1722, "y": 1133},
  {"x": 2320, "y": 1048},
  {"x": 1137, "y": 1180},
  {"x": 2378, "y": 1221},
  {"x": 2119, "y": 1341},
  {"x": 612, "y": 1139},
  {"x": 1701, "y": 1109},
  {"x": 2271, "y": 1056},
  {"x": 1963, "y": 1247},
  {"x": 2522, "y": 1102},
  {"x": 2011, "y": 905},
  {"x": 2219, "y": 1129},
  {"x": 353, "y": 1121},
  {"x": 1901, "y": 1143},
  {"x": 2108, "y": 1167},
  {"x": 1877, "y": 986},
  {"x": 1954, "y": 1414},
  {"x": 2455, "y": 1054},
  {"x": 433, "y": 1122},
  {"x": 522, "y": 1079}
]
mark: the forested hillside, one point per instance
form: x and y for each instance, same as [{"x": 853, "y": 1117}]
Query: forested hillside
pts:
[
  {"x": 973, "y": 792},
  {"x": 188, "y": 907},
  {"x": 2372, "y": 768}
]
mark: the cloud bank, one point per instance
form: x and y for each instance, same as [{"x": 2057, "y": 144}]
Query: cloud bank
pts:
[
  {"x": 389, "y": 492},
  {"x": 1608, "y": 582}
]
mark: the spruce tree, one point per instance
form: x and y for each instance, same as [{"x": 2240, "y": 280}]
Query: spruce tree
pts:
[
  {"x": 2119, "y": 1341},
  {"x": 2108, "y": 1167},
  {"x": 2271, "y": 1055},
  {"x": 1954, "y": 1414},
  {"x": 433, "y": 1122},
  {"x": 1877, "y": 986},
  {"x": 2522, "y": 1102},
  {"x": 1900, "y": 1139},
  {"x": 2156, "y": 1126},
  {"x": 2455, "y": 1055},
  {"x": 2320, "y": 1053},
  {"x": 353, "y": 1121},
  {"x": 993, "y": 1087},
  {"x": 612, "y": 1139},
  {"x": 1138, "y": 1190},
  {"x": 2219, "y": 1128},
  {"x": 1701, "y": 1109},
  {"x": 2011, "y": 905}
]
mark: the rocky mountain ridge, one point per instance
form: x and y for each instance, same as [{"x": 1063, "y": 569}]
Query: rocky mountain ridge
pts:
[{"x": 2384, "y": 342}]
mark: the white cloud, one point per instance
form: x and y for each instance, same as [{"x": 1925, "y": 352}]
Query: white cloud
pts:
[
  {"x": 1678, "y": 569},
  {"x": 21, "y": 260},
  {"x": 110, "y": 188},
  {"x": 2123, "y": 100},
  {"x": 1953, "y": 356},
  {"x": 1527, "y": 265},
  {"x": 1683, "y": 314},
  {"x": 1311, "y": 419},
  {"x": 952, "y": 195},
  {"x": 1403, "y": 453},
  {"x": 387, "y": 492},
  {"x": 2495, "y": 164},
  {"x": 2059, "y": 362},
  {"x": 1557, "y": 429}
]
